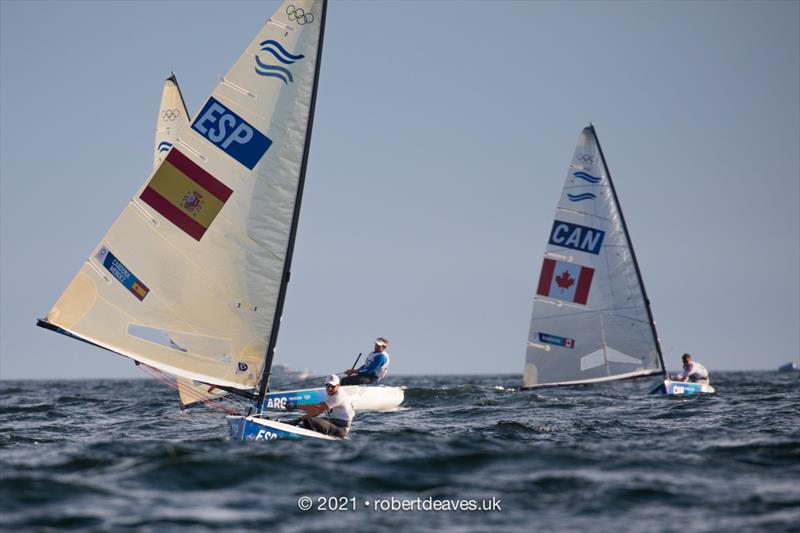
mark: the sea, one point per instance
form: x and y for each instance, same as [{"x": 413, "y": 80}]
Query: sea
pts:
[{"x": 464, "y": 453}]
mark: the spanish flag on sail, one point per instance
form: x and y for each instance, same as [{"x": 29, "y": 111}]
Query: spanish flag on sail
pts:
[{"x": 185, "y": 194}]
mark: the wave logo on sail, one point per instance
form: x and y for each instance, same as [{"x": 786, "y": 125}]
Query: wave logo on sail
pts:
[
  {"x": 276, "y": 52},
  {"x": 581, "y": 197},
  {"x": 565, "y": 281},
  {"x": 164, "y": 146},
  {"x": 587, "y": 177}
]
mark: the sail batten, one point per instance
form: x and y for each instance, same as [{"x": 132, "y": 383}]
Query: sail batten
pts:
[
  {"x": 189, "y": 278},
  {"x": 591, "y": 320}
]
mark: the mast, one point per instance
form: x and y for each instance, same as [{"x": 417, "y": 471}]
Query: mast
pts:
[
  {"x": 633, "y": 253},
  {"x": 287, "y": 266}
]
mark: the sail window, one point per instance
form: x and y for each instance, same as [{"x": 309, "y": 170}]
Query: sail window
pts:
[{"x": 216, "y": 348}]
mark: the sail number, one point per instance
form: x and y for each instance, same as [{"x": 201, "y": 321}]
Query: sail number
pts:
[
  {"x": 265, "y": 434},
  {"x": 576, "y": 237},
  {"x": 231, "y": 133}
]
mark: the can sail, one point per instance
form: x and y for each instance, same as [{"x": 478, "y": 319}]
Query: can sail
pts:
[
  {"x": 173, "y": 117},
  {"x": 591, "y": 319},
  {"x": 190, "y": 277}
]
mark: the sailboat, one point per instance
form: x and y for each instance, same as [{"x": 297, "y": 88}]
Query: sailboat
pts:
[
  {"x": 591, "y": 319},
  {"x": 191, "y": 278},
  {"x": 173, "y": 117}
]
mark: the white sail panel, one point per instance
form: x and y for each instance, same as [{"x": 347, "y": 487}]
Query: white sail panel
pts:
[
  {"x": 590, "y": 321},
  {"x": 173, "y": 117},
  {"x": 197, "y": 256}
]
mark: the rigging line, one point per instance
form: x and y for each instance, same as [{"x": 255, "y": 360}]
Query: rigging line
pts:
[
  {"x": 160, "y": 376},
  {"x": 197, "y": 397}
]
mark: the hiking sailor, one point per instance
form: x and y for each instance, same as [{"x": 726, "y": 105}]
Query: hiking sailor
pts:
[
  {"x": 374, "y": 368},
  {"x": 692, "y": 371},
  {"x": 337, "y": 408}
]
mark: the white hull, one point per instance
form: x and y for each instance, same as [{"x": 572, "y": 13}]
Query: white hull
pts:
[
  {"x": 363, "y": 397},
  {"x": 375, "y": 397},
  {"x": 683, "y": 387}
]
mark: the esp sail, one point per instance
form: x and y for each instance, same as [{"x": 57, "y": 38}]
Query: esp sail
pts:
[
  {"x": 591, "y": 319},
  {"x": 190, "y": 278},
  {"x": 173, "y": 117}
]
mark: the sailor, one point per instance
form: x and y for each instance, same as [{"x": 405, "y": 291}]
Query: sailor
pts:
[
  {"x": 374, "y": 368},
  {"x": 692, "y": 371},
  {"x": 337, "y": 409}
]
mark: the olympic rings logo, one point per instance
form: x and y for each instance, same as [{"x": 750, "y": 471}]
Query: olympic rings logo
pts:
[
  {"x": 170, "y": 114},
  {"x": 586, "y": 159},
  {"x": 299, "y": 14}
]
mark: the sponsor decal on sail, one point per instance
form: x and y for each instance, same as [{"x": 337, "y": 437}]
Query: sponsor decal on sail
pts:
[
  {"x": 121, "y": 273},
  {"x": 555, "y": 340},
  {"x": 576, "y": 237},
  {"x": 185, "y": 194},
  {"x": 565, "y": 281},
  {"x": 164, "y": 146},
  {"x": 231, "y": 133}
]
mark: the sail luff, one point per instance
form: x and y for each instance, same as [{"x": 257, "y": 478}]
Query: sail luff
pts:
[
  {"x": 180, "y": 93},
  {"x": 630, "y": 247},
  {"x": 287, "y": 266}
]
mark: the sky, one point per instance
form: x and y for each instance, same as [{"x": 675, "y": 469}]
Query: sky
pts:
[{"x": 442, "y": 135}]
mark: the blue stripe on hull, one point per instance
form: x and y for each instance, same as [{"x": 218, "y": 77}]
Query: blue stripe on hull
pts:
[
  {"x": 681, "y": 388},
  {"x": 243, "y": 429}
]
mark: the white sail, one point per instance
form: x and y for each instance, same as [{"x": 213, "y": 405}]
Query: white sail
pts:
[
  {"x": 591, "y": 320},
  {"x": 187, "y": 279},
  {"x": 173, "y": 117}
]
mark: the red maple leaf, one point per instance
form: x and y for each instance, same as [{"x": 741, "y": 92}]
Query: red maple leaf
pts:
[{"x": 564, "y": 280}]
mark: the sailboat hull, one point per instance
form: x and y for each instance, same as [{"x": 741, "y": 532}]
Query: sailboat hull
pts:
[
  {"x": 678, "y": 388},
  {"x": 364, "y": 397},
  {"x": 253, "y": 428}
]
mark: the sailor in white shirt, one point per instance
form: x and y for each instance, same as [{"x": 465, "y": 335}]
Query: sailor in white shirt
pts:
[
  {"x": 337, "y": 409},
  {"x": 694, "y": 372}
]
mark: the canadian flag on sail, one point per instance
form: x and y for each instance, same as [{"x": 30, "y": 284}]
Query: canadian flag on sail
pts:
[{"x": 565, "y": 281}]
